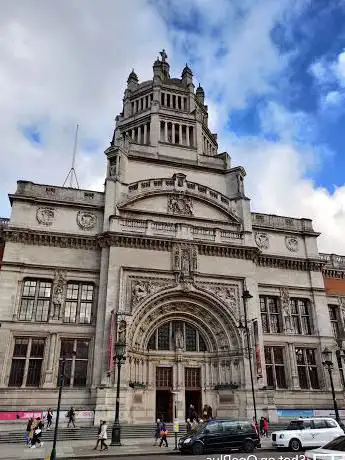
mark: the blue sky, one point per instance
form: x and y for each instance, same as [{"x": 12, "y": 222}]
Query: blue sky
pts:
[{"x": 273, "y": 74}]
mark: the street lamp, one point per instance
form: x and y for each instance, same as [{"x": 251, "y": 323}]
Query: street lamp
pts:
[
  {"x": 61, "y": 383},
  {"x": 328, "y": 364},
  {"x": 120, "y": 358},
  {"x": 246, "y": 296}
]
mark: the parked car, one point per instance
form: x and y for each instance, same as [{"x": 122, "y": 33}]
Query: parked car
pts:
[
  {"x": 221, "y": 435},
  {"x": 334, "y": 450},
  {"x": 311, "y": 432}
]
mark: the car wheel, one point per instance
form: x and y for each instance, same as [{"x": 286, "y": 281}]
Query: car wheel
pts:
[
  {"x": 198, "y": 448},
  {"x": 248, "y": 446},
  {"x": 295, "y": 445}
]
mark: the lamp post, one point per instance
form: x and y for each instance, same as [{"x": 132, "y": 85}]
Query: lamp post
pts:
[
  {"x": 119, "y": 357},
  {"x": 328, "y": 364},
  {"x": 62, "y": 379},
  {"x": 246, "y": 296}
]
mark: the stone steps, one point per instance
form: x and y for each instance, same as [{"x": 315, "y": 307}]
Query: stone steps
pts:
[{"x": 90, "y": 432}]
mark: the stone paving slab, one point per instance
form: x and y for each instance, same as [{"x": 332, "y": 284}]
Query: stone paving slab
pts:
[{"x": 84, "y": 450}]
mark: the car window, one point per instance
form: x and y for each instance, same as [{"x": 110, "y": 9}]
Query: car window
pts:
[
  {"x": 230, "y": 427},
  {"x": 213, "y": 427},
  {"x": 295, "y": 425},
  {"x": 331, "y": 424},
  {"x": 320, "y": 424},
  {"x": 336, "y": 444}
]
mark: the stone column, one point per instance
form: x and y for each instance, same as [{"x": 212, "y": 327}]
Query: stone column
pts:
[
  {"x": 49, "y": 375},
  {"x": 145, "y": 133},
  {"x": 173, "y": 133},
  {"x": 165, "y": 131},
  {"x": 180, "y": 134},
  {"x": 293, "y": 366},
  {"x": 139, "y": 134},
  {"x": 187, "y": 136}
]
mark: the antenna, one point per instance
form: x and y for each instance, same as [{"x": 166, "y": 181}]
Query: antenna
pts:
[{"x": 72, "y": 173}]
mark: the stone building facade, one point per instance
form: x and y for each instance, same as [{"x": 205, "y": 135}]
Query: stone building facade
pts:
[{"x": 164, "y": 254}]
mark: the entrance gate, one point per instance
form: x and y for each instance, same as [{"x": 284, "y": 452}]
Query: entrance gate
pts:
[
  {"x": 164, "y": 396},
  {"x": 192, "y": 380}
]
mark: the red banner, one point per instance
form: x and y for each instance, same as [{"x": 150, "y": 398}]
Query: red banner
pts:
[{"x": 257, "y": 351}]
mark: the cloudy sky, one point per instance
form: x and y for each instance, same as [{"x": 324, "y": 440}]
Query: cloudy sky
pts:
[{"x": 273, "y": 73}]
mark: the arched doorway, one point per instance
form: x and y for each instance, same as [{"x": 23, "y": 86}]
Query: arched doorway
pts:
[{"x": 182, "y": 346}]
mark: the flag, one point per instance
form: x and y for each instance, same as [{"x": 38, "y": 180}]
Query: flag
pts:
[
  {"x": 111, "y": 341},
  {"x": 257, "y": 350}
]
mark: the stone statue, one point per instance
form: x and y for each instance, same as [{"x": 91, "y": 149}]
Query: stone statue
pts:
[
  {"x": 240, "y": 188},
  {"x": 58, "y": 294},
  {"x": 179, "y": 340}
]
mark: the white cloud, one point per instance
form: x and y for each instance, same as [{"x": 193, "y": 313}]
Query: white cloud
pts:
[{"x": 67, "y": 62}]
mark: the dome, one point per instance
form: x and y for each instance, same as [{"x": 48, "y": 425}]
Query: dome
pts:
[{"x": 133, "y": 76}]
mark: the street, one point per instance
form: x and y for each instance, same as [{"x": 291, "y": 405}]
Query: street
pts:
[{"x": 258, "y": 455}]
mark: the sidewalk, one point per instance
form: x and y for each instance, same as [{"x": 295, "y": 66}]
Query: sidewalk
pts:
[{"x": 84, "y": 450}]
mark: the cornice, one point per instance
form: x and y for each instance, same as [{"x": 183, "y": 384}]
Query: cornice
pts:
[
  {"x": 54, "y": 203},
  {"x": 53, "y": 239},
  {"x": 266, "y": 228},
  {"x": 108, "y": 239},
  {"x": 333, "y": 273}
]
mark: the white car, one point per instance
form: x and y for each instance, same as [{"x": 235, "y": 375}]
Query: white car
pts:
[
  {"x": 334, "y": 450},
  {"x": 310, "y": 432}
]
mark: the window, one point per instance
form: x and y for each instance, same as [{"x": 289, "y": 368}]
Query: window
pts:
[
  {"x": 334, "y": 317},
  {"x": 35, "y": 300},
  {"x": 163, "y": 338},
  {"x": 26, "y": 362},
  {"x": 301, "y": 316},
  {"x": 192, "y": 377},
  {"x": 76, "y": 353},
  {"x": 79, "y": 301},
  {"x": 307, "y": 368},
  {"x": 320, "y": 424},
  {"x": 270, "y": 315},
  {"x": 164, "y": 377},
  {"x": 275, "y": 371}
]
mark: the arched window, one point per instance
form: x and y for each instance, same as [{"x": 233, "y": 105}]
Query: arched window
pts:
[{"x": 163, "y": 338}]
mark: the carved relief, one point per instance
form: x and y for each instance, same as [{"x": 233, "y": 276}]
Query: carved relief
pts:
[
  {"x": 228, "y": 294},
  {"x": 262, "y": 240},
  {"x": 58, "y": 294},
  {"x": 291, "y": 243},
  {"x": 184, "y": 260},
  {"x": 180, "y": 204},
  {"x": 45, "y": 216},
  {"x": 86, "y": 220},
  {"x": 143, "y": 288}
]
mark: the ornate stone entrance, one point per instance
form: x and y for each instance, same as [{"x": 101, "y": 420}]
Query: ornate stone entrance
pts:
[{"x": 181, "y": 347}]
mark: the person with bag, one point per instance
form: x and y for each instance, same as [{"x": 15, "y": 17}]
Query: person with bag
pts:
[
  {"x": 163, "y": 434},
  {"x": 28, "y": 431},
  {"x": 99, "y": 432},
  {"x": 71, "y": 417},
  {"x": 49, "y": 418},
  {"x": 157, "y": 431},
  {"x": 37, "y": 433}
]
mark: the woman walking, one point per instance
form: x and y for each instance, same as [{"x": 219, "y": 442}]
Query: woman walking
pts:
[
  {"x": 163, "y": 435},
  {"x": 103, "y": 436},
  {"x": 157, "y": 431},
  {"x": 49, "y": 418}
]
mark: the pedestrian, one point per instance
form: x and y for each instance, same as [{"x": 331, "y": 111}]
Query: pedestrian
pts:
[
  {"x": 157, "y": 431},
  {"x": 163, "y": 435},
  {"x": 28, "y": 431},
  {"x": 209, "y": 413},
  {"x": 71, "y": 417},
  {"x": 99, "y": 432},
  {"x": 103, "y": 435},
  {"x": 37, "y": 433},
  {"x": 265, "y": 429},
  {"x": 49, "y": 418},
  {"x": 205, "y": 412},
  {"x": 188, "y": 426},
  {"x": 261, "y": 426}
]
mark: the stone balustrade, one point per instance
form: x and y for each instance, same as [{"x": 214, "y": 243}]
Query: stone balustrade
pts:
[
  {"x": 281, "y": 222},
  {"x": 333, "y": 260},
  {"x": 175, "y": 230},
  {"x": 48, "y": 192},
  {"x": 179, "y": 184}
]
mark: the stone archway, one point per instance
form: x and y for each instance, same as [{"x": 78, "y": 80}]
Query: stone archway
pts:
[{"x": 219, "y": 364}]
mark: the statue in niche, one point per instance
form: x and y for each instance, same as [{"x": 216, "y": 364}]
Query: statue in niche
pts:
[
  {"x": 112, "y": 168},
  {"x": 121, "y": 334},
  {"x": 240, "y": 188},
  {"x": 179, "y": 339},
  {"x": 185, "y": 261},
  {"x": 58, "y": 295}
]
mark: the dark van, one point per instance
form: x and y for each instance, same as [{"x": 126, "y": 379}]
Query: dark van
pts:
[{"x": 221, "y": 435}]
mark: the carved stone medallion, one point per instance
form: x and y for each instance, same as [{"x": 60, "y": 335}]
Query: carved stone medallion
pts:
[
  {"x": 180, "y": 204},
  {"x": 262, "y": 240},
  {"x": 86, "y": 220},
  {"x": 291, "y": 243},
  {"x": 45, "y": 216}
]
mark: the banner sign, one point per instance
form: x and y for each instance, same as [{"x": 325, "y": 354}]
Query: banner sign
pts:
[
  {"x": 257, "y": 350},
  {"x": 294, "y": 413},
  {"x": 82, "y": 415}
]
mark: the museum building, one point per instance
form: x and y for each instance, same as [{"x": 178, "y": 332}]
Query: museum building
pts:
[{"x": 162, "y": 258}]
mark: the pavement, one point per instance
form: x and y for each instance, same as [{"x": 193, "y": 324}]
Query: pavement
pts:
[{"x": 84, "y": 450}]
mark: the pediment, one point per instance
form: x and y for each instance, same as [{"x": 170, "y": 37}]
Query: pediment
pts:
[{"x": 179, "y": 205}]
